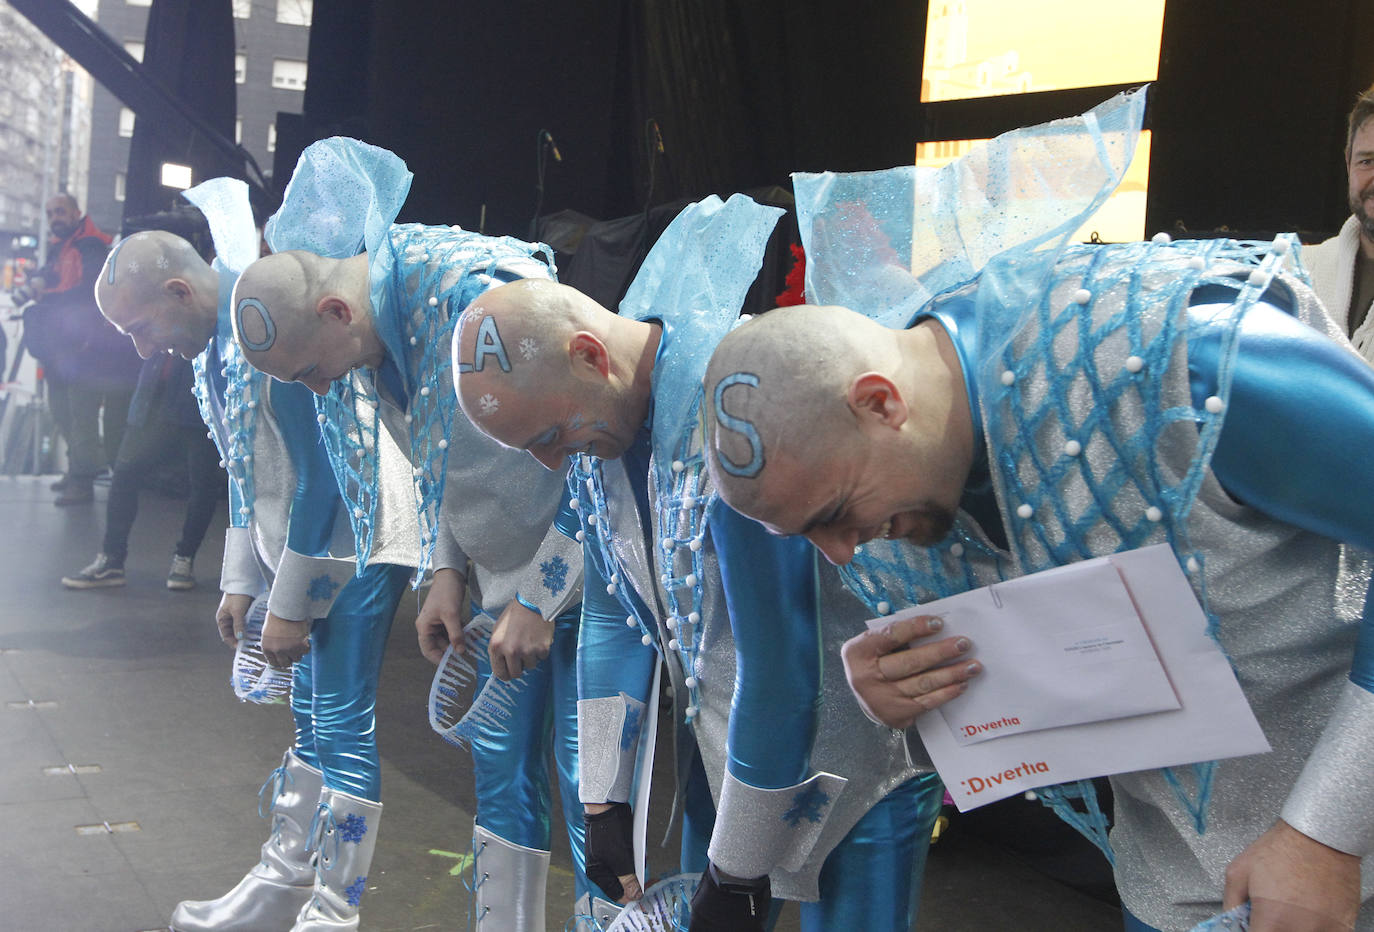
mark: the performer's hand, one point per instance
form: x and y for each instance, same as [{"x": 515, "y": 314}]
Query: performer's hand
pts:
[
  {"x": 609, "y": 850},
  {"x": 520, "y": 640},
  {"x": 284, "y": 642},
  {"x": 231, "y": 615},
  {"x": 896, "y": 681},
  {"x": 442, "y": 615},
  {"x": 730, "y": 904},
  {"x": 1294, "y": 883}
]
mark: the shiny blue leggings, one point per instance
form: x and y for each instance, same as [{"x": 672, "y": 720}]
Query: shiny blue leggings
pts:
[
  {"x": 872, "y": 879},
  {"x": 511, "y": 771},
  {"x": 334, "y": 690}
]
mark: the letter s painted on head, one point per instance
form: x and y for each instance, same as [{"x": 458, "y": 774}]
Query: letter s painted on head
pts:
[
  {"x": 269, "y": 329},
  {"x": 740, "y": 426}
]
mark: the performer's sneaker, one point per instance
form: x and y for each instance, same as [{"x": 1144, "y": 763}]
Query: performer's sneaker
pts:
[
  {"x": 179, "y": 576},
  {"x": 99, "y": 575}
]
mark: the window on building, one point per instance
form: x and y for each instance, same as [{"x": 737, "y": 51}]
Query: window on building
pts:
[
  {"x": 243, "y": 9},
  {"x": 288, "y": 74},
  {"x": 135, "y": 50},
  {"x": 120, "y": 181},
  {"x": 126, "y": 122},
  {"x": 176, "y": 176},
  {"x": 240, "y": 68},
  {"x": 271, "y": 137},
  {"x": 139, "y": 2},
  {"x": 238, "y": 131},
  {"x": 295, "y": 12}
]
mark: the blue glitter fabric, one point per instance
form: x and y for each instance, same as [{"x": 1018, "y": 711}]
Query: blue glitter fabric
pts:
[
  {"x": 889, "y": 241},
  {"x": 227, "y": 210}
]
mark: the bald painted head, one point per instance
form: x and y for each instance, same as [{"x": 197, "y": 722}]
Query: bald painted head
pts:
[
  {"x": 822, "y": 422},
  {"x": 543, "y": 368},
  {"x": 304, "y": 318},
  {"x": 155, "y": 288}
]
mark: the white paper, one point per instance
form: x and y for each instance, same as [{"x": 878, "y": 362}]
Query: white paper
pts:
[
  {"x": 1213, "y": 720},
  {"x": 1067, "y": 646}
]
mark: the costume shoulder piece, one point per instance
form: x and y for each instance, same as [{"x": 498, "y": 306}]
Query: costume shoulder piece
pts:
[
  {"x": 227, "y": 210},
  {"x": 694, "y": 281},
  {"x": 883, "y": 243}
]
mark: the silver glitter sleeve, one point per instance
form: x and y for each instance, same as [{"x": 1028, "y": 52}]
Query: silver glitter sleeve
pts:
[
  {"x": 448, "y": 554},
  {"x": 306, "y": 587},
  {"x": 240, "y": 574},
  {"x": 1333, "y": 799},
  {"x": 758, "y": 830},
  {"x": 607, "y": 745},
  {"x": 552, "y": 581}
]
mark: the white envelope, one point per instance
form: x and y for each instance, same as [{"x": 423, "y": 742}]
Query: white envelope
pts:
[
  {"x": 1059, "y": 648},
  {"x": 1213, "y": 720}
]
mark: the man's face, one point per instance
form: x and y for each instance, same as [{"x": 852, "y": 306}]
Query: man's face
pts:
[
  {"x": 854, "y": 495},
  {"x": 1360, "y": 174},
  {"x": 62, "y": 217},
  {"x": 552, "y": 424},
  {"x": 162, "y": 326},
  {"x": 316, "y": 362}
]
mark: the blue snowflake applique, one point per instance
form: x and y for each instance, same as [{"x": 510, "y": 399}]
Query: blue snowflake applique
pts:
[
  {"x": 321, "y": 588},
  {"x": 555, "y": 572},
  {"x": 629, "y": 734},
  {"x": 354, "y": 891},
  {"x": 353, "y": 828},
  {"x": 809, "y": 804}
]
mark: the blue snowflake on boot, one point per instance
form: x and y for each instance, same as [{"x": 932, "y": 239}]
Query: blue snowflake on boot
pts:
[
  {"x": 353, "y": 828},
  {"x": 321, "y": 588},
  {"x": 808, "y": 804},
  {"x": 555, "y": 573},
  {"x": 354, "y": 891}
]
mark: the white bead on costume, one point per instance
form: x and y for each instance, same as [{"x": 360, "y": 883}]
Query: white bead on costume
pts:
[
  {"x": 1214, "y": 405},
  {"x": 1082, "y": 296},
  {"x": 1134, "y": 364},
  {"x": 1008, "y": 377},
  {"x": 1024, "y": 510},
  {"x": 1072, "y": 448}
]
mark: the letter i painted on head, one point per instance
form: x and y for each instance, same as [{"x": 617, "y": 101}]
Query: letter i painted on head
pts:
[
  {"x": 740, "y": 426},
  {"x": 489, "y": 344}
]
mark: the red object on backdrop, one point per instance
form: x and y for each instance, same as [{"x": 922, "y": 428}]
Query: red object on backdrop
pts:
[{"x": 795, "y": 281}]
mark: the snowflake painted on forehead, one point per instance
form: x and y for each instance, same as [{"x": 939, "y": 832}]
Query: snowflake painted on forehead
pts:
[
  {"x": 489, "y": 404},
  {"x": 528, "y": 349},
  {"x": 131, "y": 267},
  {"x": 162, "y": 262}
]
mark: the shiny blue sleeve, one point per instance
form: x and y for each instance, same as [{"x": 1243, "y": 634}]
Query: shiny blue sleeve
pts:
[
  {"x": 611, "y": 656},
  {"x": 772, "y": 591},
  {"x": 1299, "y": 425},
  {"x": 316, "y": 502}
]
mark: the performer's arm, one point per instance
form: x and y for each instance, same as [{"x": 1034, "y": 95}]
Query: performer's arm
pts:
[
  {"x": 308, "y": 579},
  {"x": 772, "y": 805},
  {"x": 1295, "y": 392}
]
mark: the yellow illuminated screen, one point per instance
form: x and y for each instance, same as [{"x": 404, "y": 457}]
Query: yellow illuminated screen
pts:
[
  {"x": 983, "y": 48},
  {"x": 1120, "y": 220}
]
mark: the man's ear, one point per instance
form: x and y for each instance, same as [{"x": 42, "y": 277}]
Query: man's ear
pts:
[
  {"x": 874, "y": 399},
  {"x": 335, "y": 308},
  {"x": 178, "y": 289},
  {"x": 586, "y": 353}
]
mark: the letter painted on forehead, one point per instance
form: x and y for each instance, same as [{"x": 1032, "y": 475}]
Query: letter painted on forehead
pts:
[
  {"x": 488, "y": 344},
  {"x": 740, "y": 426},
  {"x": 269, "y": 329}
]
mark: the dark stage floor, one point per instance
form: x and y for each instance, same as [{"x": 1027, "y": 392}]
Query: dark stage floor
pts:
[{"x": 130, "y": 687}]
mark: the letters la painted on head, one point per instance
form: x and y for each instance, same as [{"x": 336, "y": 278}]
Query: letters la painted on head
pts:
[
  {"x": 488, "y": 344},
  {"x": 269, "y": 329},
  {"x": 740, "y": 426}
]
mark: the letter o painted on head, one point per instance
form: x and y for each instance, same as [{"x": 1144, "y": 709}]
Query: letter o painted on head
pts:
[{"x": 269, "y": 329}]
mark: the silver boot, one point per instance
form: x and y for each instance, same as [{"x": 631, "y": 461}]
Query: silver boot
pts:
[
  {"x": 508, "y": 883},
  {"x": 271, "y": 894},
  {"x": 593, "y": 914},
  {"x": 343, "y": 837}
]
